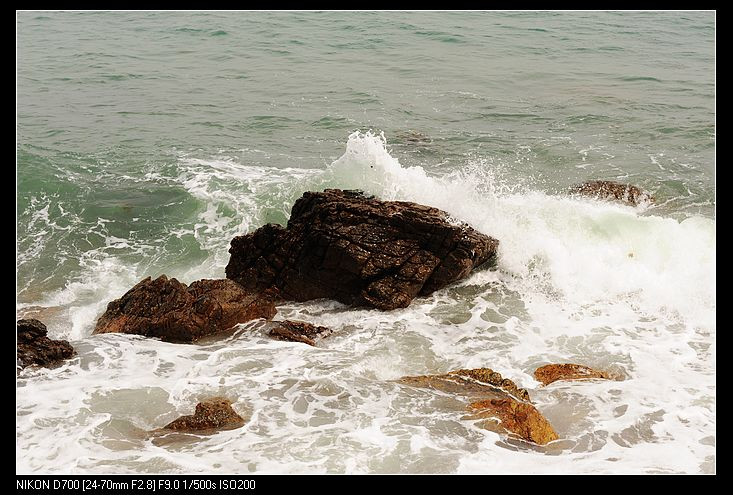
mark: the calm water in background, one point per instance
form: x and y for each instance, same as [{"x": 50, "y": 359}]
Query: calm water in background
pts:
[{"x": 146, "y": 141}]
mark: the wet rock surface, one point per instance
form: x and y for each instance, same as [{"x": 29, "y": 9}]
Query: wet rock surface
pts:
[
  {"x": 299, "y": 331},
  {"x": 358, "y": 250},
  {"x": 492, "y": 398},
  {"x": 520, "y": 418},
  {"x": 491, "y": 377},
  {"x": 35, "y": 348},
  {"x": 554, "y": 372},
  {"x": 613, "y": 191},
  {"x": 174, "y": 312},
  {"x": 473, "y": 383},
  {"x": 211, "y": 414}
]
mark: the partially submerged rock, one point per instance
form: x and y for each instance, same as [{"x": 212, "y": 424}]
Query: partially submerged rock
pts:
[
  {"x": 299, "y": 331},
  {"x": 474, "y": 382},
  {"x": 35, "y": 348},
  {"x": 170, "y": 310},
  {"x": 520, "y": 418},
  {"x": 358, "y": 250},
  {"x": 492, "y": 398},
  {"x": 613, "y": 191},
  {"x": 211, "y": 414},
  {"x": 412, "y": 137},
  {"x": 487, "y": 375},
  {"x": 554, "y": 372}
]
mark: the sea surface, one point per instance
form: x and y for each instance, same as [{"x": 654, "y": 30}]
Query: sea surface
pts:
[{"x": 147, "y": 140}]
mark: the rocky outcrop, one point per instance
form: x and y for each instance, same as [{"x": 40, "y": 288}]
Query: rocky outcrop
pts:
[
  {"x": 212, "y": 414},
  {"x": 299, "y": 331},
  {"x": 554, "y": 372},
  {"x": 613, "y": 191},
  {"x": 170, "y": 310},
  {"x": 492, "y": 398},
  {"x": 35, "y": 348},
  {"x": 358, "y": 250}
]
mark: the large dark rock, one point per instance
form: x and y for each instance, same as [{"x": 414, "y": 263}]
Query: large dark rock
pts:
[
  {"x": 495, "y": 400},
  {"x": 174, "y": 312},
  {"x": 299, "y": 331},
  {"x": 358, "y": 250},
  {"x": 613, "y": 191},
  {"x": 34, "y": 347},
  {"x": 215, "y": 413}
]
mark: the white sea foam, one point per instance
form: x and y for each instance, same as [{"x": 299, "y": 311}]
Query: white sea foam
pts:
[{"x": 577, "y": 280}]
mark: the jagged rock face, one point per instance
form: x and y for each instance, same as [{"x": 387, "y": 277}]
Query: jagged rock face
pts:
[
  {"x": 299, "y": 331},
  {"x": 212, "y": 414},
  {"x": 492, "y": 398},
  {"x": 554, "y": 372},
  {"x": 170, "y": 310},
  {"x": 613, "y": 191},
  {"x": 34, "y": 347},
  {"x": 358, "y": 250}
]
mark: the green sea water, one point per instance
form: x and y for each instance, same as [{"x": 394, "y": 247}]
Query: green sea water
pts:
[
  {"x": 553, "y": 97},
  {"x": 147, "y": 140}
]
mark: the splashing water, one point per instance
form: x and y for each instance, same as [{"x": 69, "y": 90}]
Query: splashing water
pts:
[{"x": 577, "y": 280}]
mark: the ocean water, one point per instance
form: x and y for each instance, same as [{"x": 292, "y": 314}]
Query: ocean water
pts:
[{"x": 147, "y": 140}]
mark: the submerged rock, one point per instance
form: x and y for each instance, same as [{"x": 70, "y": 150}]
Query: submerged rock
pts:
[
  {"x": 34, "y": 347},
  {"x": 492, "y": 398},
  {"x": 170, "y": 310},
  {"x": 613, "y": 191},
  {"x": 554, "y": 372},
  {"x": 215, "y": 413},
  {"x": 299, "y": 331},
  {"x": 358, "y": 250},
  {"x": 412, "y": 137}
]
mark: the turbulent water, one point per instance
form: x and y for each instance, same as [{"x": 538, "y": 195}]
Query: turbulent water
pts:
[{"x": 146, "y": 141}]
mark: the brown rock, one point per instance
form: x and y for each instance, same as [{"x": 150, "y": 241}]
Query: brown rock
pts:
[
  {"x": 299, "y": 331},
  {"x": 553, "y": 372},
  {"x": 453, "y": 384},
  {"x": 492, "y": 398},
  {"x": 358, "y": 250},
  {"x": 487, "y": 375},
  {"x": 520, "y": 418},
  {"x": 174, "y": 312},
  {"x": 479, "y": 382},
  {"x": 212, "y": 414},
  {"x": 34, "y": 347},
  {"x": 613, "y": 191}
]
